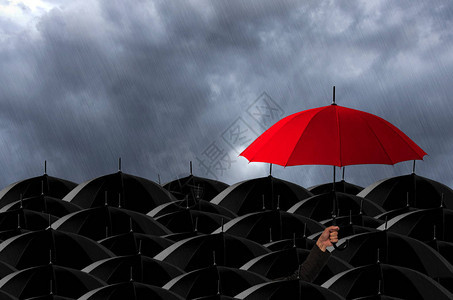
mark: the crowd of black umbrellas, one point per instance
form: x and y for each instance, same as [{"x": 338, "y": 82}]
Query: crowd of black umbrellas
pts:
[{"x": 120, "y": 236}]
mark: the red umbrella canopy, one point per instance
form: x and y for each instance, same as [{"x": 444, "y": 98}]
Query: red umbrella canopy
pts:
[{"x": 332, "y": 135}]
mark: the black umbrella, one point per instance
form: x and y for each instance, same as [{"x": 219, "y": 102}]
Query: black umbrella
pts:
[
  {"x": 46, "y": 204},
  {"x": 202, "y": 251},
  {"x": 130, "y": 290},
  {"x": 39, "y": 247},
  {"x": 319, "y": 207},
  {"x": 397, "y": 250},
  {"x": 287, "y": 289},
  {"x": 129, "y": 243},
  {"x": 214, "y": 297},
  {"x": 179, "y": 236},
  {"x": 444, "y": 248},
  {"x": 391, "y": 193},
  {"x": 267, "y": 226},
  {"x": 201, "y": 205},
  {"x": 390, "y": 280},
  {"x": 36, "y": 186},
  {"x": 6, "y": 269},
  {"x": 36, "y": 281},
  {"x": 378, "y": 297},
  {"x": 6, "y": 234},
  {"x": 283, "y": 263},
  {"x": 139, "y": 267},
  {"x": 195, "y": 187},
  {"x": 24, "y": 218},
  {"x": 100, "y": 222},
  {"x": 6, "y": 296},
  {"x": 261, "y": 193},
  {"x": 128, "y": 191},
  {"x": 299, "y": 242},
  {"x": 419, "y": 224},
  {"x": 340, "y": 186},
  {"x": 192, "y": 220},
  {"x": 213, "y": 280},
  {"x": 50, "y": 297}
]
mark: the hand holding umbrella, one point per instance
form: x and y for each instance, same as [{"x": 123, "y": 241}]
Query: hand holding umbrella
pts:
[{"x": 328, "y": 238}]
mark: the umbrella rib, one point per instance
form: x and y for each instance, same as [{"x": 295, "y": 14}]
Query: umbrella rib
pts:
[
  {"x": 299, "y": 140},
  {"x": 377, "y": 138}
]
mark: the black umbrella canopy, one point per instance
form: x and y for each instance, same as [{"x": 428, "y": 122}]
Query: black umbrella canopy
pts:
[
  {"x": 36, "y": 186},
  {"x": 100, "y": 222},
  {"x": 213, "y": 280},
  {"x": 254, "y": 194},
  {"x": 319, "y": 207},
  {"x": 130, "y": 290},
  {"x": 119, "y": 189},
  {"x": 387, "y": 279},
  {"x": 283, "y": 263},
  {"x": 395, "y": 212},
  {"x": 378, "y": 297},
  {"x": 50, "y": 297},
  {"x": 26, "y": 219},
  {"x": 200, "y": 205},
  {"x": 205, "y": 250},
  {"x": 6, "y": 234},
  {"x": 6, "y": 269},
  {"x": 287, "y": 289},
  {"x": 6, "y": 296},
  {"x": 36, "y": 281},
  {"x": 132, "y": 242},
  {"x": 138, "y": 267},
  {"x": 392, "y": 193},
  {"x": 192, "y": 220},
  {"x": 267, "y": 226},
  {"x": 419, "y": 224},
  {"x": 40, "y": 247},
  {"x": 444, "y": 248},
  {"x": 214, "y": 297},
  {"x": 298, "y": 242},
  {"x": 195, "y": 187},
  {"x": 176, "y": 237},
  {"x": 395, "y": 249},
  {"x": 46, "y": 204},
  {"x": 340, "y": 186}
]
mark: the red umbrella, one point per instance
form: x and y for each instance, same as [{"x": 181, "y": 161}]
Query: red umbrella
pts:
[{"x": 332, "y": 135}]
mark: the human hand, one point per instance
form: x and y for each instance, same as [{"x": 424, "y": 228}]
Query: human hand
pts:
[{"x": 327, "y": 237}]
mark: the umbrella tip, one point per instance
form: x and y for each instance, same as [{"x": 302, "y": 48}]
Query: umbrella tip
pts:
[
  {"x": 196, "y": 225},
  {"x": 158, "y": 179},
  {"x": 131, "y": 279},
  {"x": 213, "y": 257},
  {"x": 442, "y": 204},
  {"x": 51, "y": 288},
  {"x": 270, "y": 235},
  {"x": 119, "y": 164},
  {"x": 105, "y": 198},
  {"x": 385, "y": 226},
  {"x": 333, "y": 98},
  {"x": 45, "y": 167},
  {"x": 264, "y": 206},
  {"x": 190, "y": 167},
  {"x": 119, "y": 200},
  {"x": 139, "y": 247},
  {"x": 294, "y": 239},
  {"x": 413, "y": 167},
  {"x": 434, "y": 237},
  {"x": 378, "y": 260},
  {"x": 278, "y": 202},
  {"x": 270, "y": 169}
]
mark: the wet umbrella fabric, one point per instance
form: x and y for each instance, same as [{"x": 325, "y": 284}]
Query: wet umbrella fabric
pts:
[
  {"x": 192, "y": 220},
  {"x": 39, "y": 247},
  {"x": 419, "y": 224},
  {"x": 46, "y": 204},
  {"x": 125, "y": 190},
  {"x": 340, "y": 186},
  {"x": 319, "y": 207},
  {"x": 26, "y": 219},
  {"x": 394, "y": 281},
  {"x": 288, "y": 289},
  {"x": 298, "y": 242},
  {"x": 93, "y": 222},
  {"x": 203, "y": 250},
  {"x": 195, "y": 187},
  {"x": 395, "y": 249},
  {"x": 213, "y": 280},
  {"x": 200, "y": 205},
  {"x": 130, "y": 290},
  {"x": 36, "y": 186},
  {"x": 139, "y": 267},
  {"x": 35, "y": 281},
  {"x": 132, "y": 242},
  {"x": 391, "y": 193},
  {"x": 283, "y": 263},
  {"x": 265, "y": 226},
  {"x": 252, "y": 195}
]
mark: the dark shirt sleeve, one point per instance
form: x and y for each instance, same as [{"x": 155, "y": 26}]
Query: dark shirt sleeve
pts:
[{"x": 311, "y": 267}]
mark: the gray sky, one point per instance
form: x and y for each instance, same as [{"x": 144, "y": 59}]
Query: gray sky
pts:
[{"x": 161, "y": 83}]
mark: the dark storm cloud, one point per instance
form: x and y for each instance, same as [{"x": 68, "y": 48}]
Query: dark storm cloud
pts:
[{"x": 155, "y": 82}]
